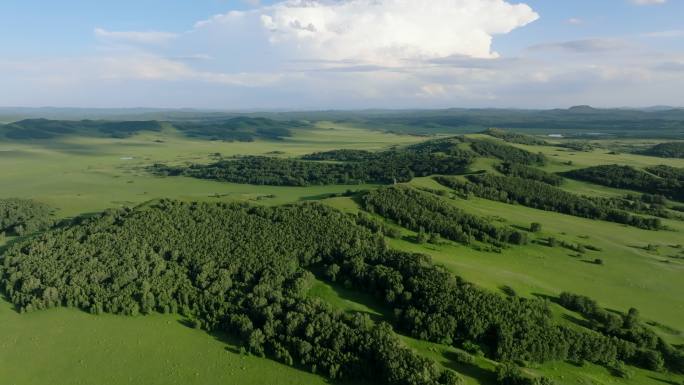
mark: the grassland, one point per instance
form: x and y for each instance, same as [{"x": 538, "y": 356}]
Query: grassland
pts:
[
  {"x": 69, "y": 347},
  {"x": 81, "y": 175}
]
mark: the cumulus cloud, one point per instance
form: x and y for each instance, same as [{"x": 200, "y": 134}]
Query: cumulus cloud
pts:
[
  {"x": 311, "y": 54},
  {"x": 383, "y": 31}
]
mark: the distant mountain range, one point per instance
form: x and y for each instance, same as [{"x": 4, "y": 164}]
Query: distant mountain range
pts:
[{"x": 578, "y": 120}]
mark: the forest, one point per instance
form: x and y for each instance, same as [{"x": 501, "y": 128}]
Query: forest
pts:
[
  {"x": 627, "y": 177},
  {"x": 526, "y": 172},
  {"x": 653, "y": 353},
  {"x": 543, "y": 196},
  {"x": 24, "y": 216},
  {"x": 49, "y": 129},
  {"x": 667, "y": 172},
  {"x": 422, "y": 211},
  {"x": 514, "y": 137},
  {"x": 349, "y": 167},
  {"x": 506, "y": 153},
  {"x": 241, "y": 128},
  {"x": 666, "y": 150},
  {"x": 246, "y": 270}
]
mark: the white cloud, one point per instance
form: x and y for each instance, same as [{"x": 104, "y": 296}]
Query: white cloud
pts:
[
  {"x": 135, "y": 37},
  {"x": 575, "y": 21},
  {"x": 648, "y": 2},
  {"x": 313, "y": 54},
  {"x": 383, "y": 31}
]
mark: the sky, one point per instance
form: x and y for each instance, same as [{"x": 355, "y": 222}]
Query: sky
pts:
[{"x": 341, "y": 54}]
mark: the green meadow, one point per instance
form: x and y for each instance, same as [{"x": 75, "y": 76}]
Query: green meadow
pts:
[
  {"x": 85, "y": 175},
  {"x": 80, "y": 175}
]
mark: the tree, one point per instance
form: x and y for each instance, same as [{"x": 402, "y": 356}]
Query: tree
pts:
[{"x": 536, "y": 227}]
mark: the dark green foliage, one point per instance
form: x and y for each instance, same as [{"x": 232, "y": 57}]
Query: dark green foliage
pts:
[
  {"x": 244, "y": 270},
  {"x": 342, "y": 155},
  {"x": 627, "y": 177},
  {"x": 580, "y": 120},
  {"x": 667, "y": 150},
  {"x": 262, "y": 170},
  {"x": 229, "y": 267},
  {"x": 383, "y": 167},
  {"x": 23, "y": 216},
  {"x": 667, "y": 172},
  {"x": 376, "y": 226},
  {"x": 242, "y": 129},
  {"x": 544, "y": 197},
  {"x": 526, "y": 172},
  {"x": 577, "y": 146},
  {"x": 536, "y": 227},
  {"x": 421, "y": 211},
  {"x": 463, "y": 357},
  {"x": 506, "y": 152},
  {"x": 510, "y": 374},
  {"x": 48, "y": 129},
  {"x": 652, "y": 352},
  {"x": 513, "y": 137}
]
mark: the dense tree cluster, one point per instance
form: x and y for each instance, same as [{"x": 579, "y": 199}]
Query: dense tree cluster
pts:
[
  {"x": 542, "y": 196},
  {"x": 350, "y": 167},
  {"x": 24, "y": 216},
  {"x": 652, "y": 351},
  {"x": 667, "y": 172},
  {"x": 344, "y": 155},
  {"x": 647, "y": 204},
  {"x": 627, "y": 177},
  {"x": 47, "y": 129},
  {"x": 245, "y": 270},
  {"x": 242, "y": 129},
  {"x": 418, "y": 210},
  {"x": 526, "y": 172},
  {"x": 514, "y": 137},
  {"x": 229, "y": 267},
  {"x": 506, "y": 152},
  {"x": 576, "y": 145},
  {"x": 667, "y": 150}
]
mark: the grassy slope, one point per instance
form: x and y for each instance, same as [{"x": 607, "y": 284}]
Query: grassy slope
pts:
[
  {"x": 81, "y": 175},
  {"x": 84, "y": 175},
  {"x": 69, "y": 347}
]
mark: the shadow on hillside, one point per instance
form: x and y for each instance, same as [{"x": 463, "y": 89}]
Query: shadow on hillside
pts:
[
  {"x": 233, "y": 345},
  {"x": 484, "y": 376},
  {"x": 665, "y": 381}
]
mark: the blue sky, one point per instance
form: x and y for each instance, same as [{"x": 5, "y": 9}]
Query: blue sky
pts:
[{"x": 233, "y": 54}]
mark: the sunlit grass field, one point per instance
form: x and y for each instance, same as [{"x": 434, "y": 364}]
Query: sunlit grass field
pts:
[
  {"x": 79, "y": 175},
  {"x": 85, "y": 175}
]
